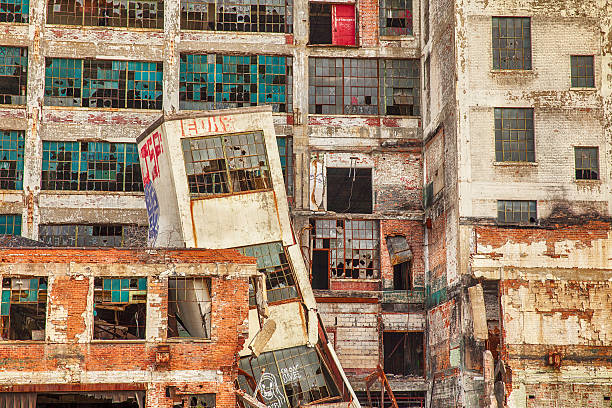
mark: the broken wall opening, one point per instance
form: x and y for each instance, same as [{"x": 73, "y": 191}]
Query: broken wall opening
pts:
[
  {"x": 400, "y": 256},
  {"x": 120, "y": 308},
  {"x": 23, "y": 309},
  {"x": 403, "y": 353},
  {"x": 349, "y": 190},
  {"x": 189, "y": 307}
]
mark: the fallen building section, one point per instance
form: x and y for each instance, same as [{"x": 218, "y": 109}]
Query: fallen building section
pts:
[{"x": 214, "y": 180}]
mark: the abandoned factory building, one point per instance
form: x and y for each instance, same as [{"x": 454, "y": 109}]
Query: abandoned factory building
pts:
[{"x": 436, "y": 209}]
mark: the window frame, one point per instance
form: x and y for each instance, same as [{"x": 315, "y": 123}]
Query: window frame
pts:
[
  {"x": 125, "y": 15},
  {"x": 528, "y": 116},
  {"x": 586, "y": 78},
  {"x": 7, "y": 300},
  {"x": 17, "y": 222},
  {"x": 208, "y": 281},
  {"x": 576, "y": 168},
  {"x": 386, "y": 31},
  {"x": 500, "y": 67},
  {"x": 505, "y": 221},
  {"x": 9, "y": 58},
  {"x": 24, "y": 17},
  {"x": 14, "y": 141}
]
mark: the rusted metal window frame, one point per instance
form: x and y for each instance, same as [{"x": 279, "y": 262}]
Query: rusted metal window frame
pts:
[
  {"x": 99, "y": 16},
  {"x": 518, "y": 43},
  {"x": 22, "y": 296},
  {"x": 590, "y": 155},
  {"x": 582, "y": 69},
  {"x": 507, "y": 211},
  {"x": 14, "y": 64},
  {"x": 514, "y": 135},
  {"x": 393, "y": 7},
  {"x": 12, "y": 145},
  {"x": 10, "y": 224},
  {"x": 205, "y": 280},
  {"x": 20, "y": 12},
  {"x": 71, "y": 235}
]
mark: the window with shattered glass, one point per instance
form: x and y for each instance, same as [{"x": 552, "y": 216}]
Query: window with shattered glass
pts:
[
  {"x": 289, "y": 377},
  {"x": 14, "y": 11},
  {"x": 226, "y": 164},
  {"x": 126, "y": 13},
  {"x": 272, "y": 261},
  {"x": 13, "y": 75},
  {"x": 120, "y": 308},
  {"x": 11, "y": 159},
  {"x": 93, "y": 235},
  {"x": 189, "y": 307},
  {"x": 23, "y": 308},
  {"x": 395, "y": 17}
]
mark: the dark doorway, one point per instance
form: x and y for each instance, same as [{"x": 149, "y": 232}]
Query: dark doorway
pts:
[{"x": 320, "y": 269}]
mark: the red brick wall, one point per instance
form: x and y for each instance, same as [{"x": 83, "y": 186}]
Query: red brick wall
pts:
[{"x": 368, "y": 22}]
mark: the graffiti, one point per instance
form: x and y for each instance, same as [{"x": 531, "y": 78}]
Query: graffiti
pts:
[
  {"x": 206, "y": 126},
  {"x": 150, "y": 151},
  {"x": 152, "y": 212},
  {"x": 290, "y": 374},
  {"x": 268, "y": 386}
]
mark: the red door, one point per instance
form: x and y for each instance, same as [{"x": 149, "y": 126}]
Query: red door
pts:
[{"x": 343, "y": 24}]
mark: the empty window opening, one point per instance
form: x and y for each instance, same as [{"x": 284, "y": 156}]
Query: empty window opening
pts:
[
  {"x": 583, "y": 75},
  {"x": 120, "y": 308},
  {"x": 587, "y": 163},
  {"x": 11, "y": 159},
  {"x": 103, "y": 84},
  {"x": 402, "y": 279},
  {"x": 349, "y": 190},
  {"x": 189, "y": 307},
  {"x": 511, "y": 43},
  {"x": 332, "y": 24},
  {"x": 23, "y": 308},
  {"x": 196, "y": 401},
  {"x": 403, "y": 353},
  {"x": 289, "y": 378},
  {"x": 14, "y": 11},
  {"x": 514, "y": 139},
  {"x": 97, "y": 399},
  {"x": 516, "y": 211},
  {"x": 13, "y": 75},
  {"x": 226, "y": 164},
  {"x": 320, "y": 23},
  {"x": 352, "y": 246},
  {"x": 285, "y": 150},
  {"x": 215, "y": 81},
  {"x": 404, "y": 399},
  {"x": 91, "y": 166},
  {"x": 265, "y": 16},
  {"x": 272, "y": 261},
  {"x": 97, "y": 235},
  {"x": 353, "y": 86},
  {"x": 400, "y": 256},
  {"x": 395, "y": 17},
  {"x": 10, "y": 224},
  {"x": 127, "y": 13}
]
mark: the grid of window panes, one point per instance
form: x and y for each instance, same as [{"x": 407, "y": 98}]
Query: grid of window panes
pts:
[
  {"x": 14, "y": 11},
  {"x": 95, "y": 235},
  {"x": 511, "y": 43},
  {"x": 215, "y": 81},
  {"x": 30, "y": 296},
  {"x": 353, "y": 247},
  {"x": 514, "y": 139},
  {"x": 285, "y": 150},
  {"x": 113, "y": 297},
  {"x": 91, "y": 166},
  {"x": 587, "y": 163},
  {"x": 189, "y": 307},
  {"x": 395, "y": 17},
  {"x": 583, "y": 75},
  {"x": 11, "y": 159},
  {"x": 10, "y": 224},
  {"x": 13, "y": 75},
  {"x": 266, "y": 16},
  {"x": 126, "y": 13},
  {"x": 355, "y": 86},
  {"x": 226, "y": 164},
  {"x": 103, "y": 83},
  {"x": 272, "y": 262},
  {"x": 516, "y": 211},
  {"x": 290, "y": 376}
]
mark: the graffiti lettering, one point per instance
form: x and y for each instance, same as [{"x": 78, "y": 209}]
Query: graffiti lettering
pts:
[
  {"x": 152, "y": 212},
  {"x": 150, "y": 151},
  {"x": 206, "y": 126},
  {"x": 290, "y": 374}
]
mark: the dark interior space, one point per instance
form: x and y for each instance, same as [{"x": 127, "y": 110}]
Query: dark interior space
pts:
[
  {"x": 349, "y": 190},
  {"x": 401, "y": 276},
  {"x": 320, "y": 23},
  {"x": 403, "y": 353},
  {"x": 320, "y": 273},
  {"x": 85, "y": 401}
]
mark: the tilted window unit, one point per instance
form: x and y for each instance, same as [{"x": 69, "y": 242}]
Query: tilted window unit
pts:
[
  {"x": 511, "y": 43},
  {"x": 395, "y": 17},
  {"x": 94, "y": 235},
  {"x": 13, "y": 75},
  {"x": 103, "y": 84},
  {"x": 11, "y": 159},
  {"x": 285, "y": 151},
  {"x": 125, "y": 13},
  {"x": 91, "y": 166},
  {"x": 14, "y": 11},
  {"x": 354, "y": 86},
  {"x": 215, "y": 81},
  {"x": 10, "y": 224}
]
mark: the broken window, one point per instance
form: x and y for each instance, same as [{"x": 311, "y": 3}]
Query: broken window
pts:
[
  {"x": 332, "y": 24},
  {"x": 97, "y": 235},
  {"x": 189, "y": 307},
  {"x": 266, "y": 16},
  {"x": 125, "y": 13},
  {"x": 273, "y": 262},
  {"x": 395, "y": 17},
  {"x": 196, "y": 401},
  {"x": 120, "y": 308},
  {"x": 403, "y": 353},
  {"x": 349, "y": 190},
  {"x": 103, "y": 84},
  {"x": 516, "y": 211},
  {"x": 350, "y": 248},
  {"x": 587, "y": 163},
  {"x": 514, "y": 139},
  {"x": 10, "y": 224},
  {"x": 355, "y": 86},
  {"x": 511, "y": 43},
  {"x": 401, "y": 259},
  {"x": 11, "y": 159},
  {"x": 14, "y": 11},
  {"x": 285, "y": 150},
  {"x": 91, "y": 166},
  {"x": 215, "y": 81},
  {"x": 98, "y": 399},
  {"x": 583, "y": 75},
  {"x": 226, "y": 164},
  {"x": 289, "y": 378},
  {"x": 23, "y": 308},
  {"x": 13, "y": 75}
]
